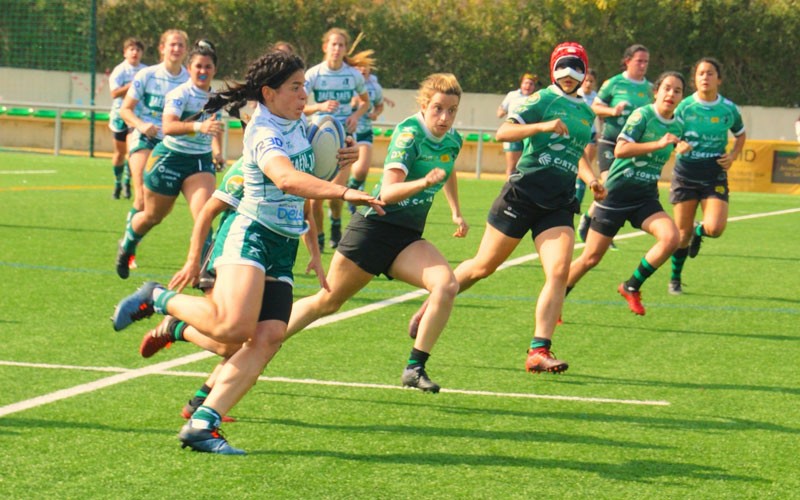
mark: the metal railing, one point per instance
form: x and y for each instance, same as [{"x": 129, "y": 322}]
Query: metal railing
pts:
[{"x": 61, "y": 108}]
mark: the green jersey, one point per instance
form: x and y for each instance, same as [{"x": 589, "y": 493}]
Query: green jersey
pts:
[
  {"x": 548, "y": 167},
  {"x": 416, "y": 151},
  {"x": 615, "y": 90},
  {"x": 635, "y": 179},
  {"x": 231, "y": 189},
  {"x": 706, "y": 130}
]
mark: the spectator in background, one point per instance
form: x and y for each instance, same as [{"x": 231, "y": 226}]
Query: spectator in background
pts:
[{"x": 515, "y": 98}]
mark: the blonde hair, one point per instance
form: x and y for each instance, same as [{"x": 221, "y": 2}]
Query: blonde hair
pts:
[
  {"x": 363, "y": 59},
  {"x": 445, "y": 83}
]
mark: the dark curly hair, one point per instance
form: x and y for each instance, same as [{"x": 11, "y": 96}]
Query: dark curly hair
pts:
[{"x": 271, "y": 69}]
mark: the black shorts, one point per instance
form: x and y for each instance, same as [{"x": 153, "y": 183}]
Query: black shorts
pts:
[
  {"x": 122, "y": 136},
  {"x": 605, "y": 155},
  {"x": 514, "y": 216},
  {"x": 682, "y": 189},
  {"x": 374, "y": 245},
  {"x": 276, "y": 302},
  {"x": 608, "y": 220}
]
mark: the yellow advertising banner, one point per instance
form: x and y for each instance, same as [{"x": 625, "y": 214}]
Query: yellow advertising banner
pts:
[{"x": 766, "y": 167}]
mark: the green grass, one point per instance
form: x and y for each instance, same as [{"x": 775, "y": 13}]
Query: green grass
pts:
[{"x": 724, "y": 356}]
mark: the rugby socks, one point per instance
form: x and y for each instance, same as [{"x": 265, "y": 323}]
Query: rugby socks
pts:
[
  {"x": 160, "y": 298},
  {"x": 130, "y": 240},
  {"x": 335, "y": 223},
  {"x": 131, "y": 213},
  {"x": 540, "y": 342},
  {"x": 177, "y": 332},
  {"x": 699, "y": 231},
  {"x": 200, "y": 396},
  {"x": 207, "y": 415},
  {"x": 644, "y": 271},
  {"x": 678, "y": 260},
  {"x": 118, "y": 171},
  {"x": 126, "y": 173},
  {"x": 418, "y": 358}
]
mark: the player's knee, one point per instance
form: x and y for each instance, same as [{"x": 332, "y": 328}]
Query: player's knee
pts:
[
  {"x": 268, "y": 340},
  {"x": 592, "y": 260},
  {"x": 234, "y": 332},
  {"x": 447, "y": 290},
  {"x": 713, "y": 230},
  {"x": 327, "y": 303},
  {"x": 227, "y": 350},
  {"x": 671, "y": 241}
]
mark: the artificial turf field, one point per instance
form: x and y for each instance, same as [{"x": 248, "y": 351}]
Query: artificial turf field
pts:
[{"x": 697, "y": 399}]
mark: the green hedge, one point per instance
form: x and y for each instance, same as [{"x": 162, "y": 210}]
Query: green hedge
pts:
[{"x": 488, "y": 43}]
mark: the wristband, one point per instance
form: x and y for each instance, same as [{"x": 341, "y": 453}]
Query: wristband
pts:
[
  {"x": 196, "y": 126},
  {"x": 345, "y": 191}
]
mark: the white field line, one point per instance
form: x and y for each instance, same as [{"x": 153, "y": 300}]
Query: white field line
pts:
[
  {"x": 158, "y": 368},
  {"x": 162, "y": 370}
]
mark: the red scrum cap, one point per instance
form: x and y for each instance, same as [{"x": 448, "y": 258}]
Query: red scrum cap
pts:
[{"x": 571, "y": 60}]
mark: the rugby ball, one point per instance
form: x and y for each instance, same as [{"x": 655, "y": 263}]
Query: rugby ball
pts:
[{"x": 326, "y": 136}]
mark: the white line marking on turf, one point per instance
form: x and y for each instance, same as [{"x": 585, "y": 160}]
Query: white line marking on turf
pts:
[
  {"x": 25, "y": 172},
  {"x": 158, "y": 368},
  {"x": 99, "y": 384},
  {"x": 162, "y": 370}
]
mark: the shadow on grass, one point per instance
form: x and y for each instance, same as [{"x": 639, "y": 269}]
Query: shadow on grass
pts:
[
  {"x": 8, "y": 426},
  {"x": 794, "y": 391},
  {"x": 56, "y": 228},
  {"x": 661, "y": 331},
  {"x": 642, "y": 471},
  {"x": 545, "y": 436}
]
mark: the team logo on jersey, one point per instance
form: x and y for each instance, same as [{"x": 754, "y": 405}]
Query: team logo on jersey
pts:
[
  {"x": 715, "y": 119},
  {"x": 404, "y": 140},
  {"x": 627, "y": 173},
  {"x": 545, "y": 159},
  {"x": 235, "y": 186},
  {"x": 179, "y": 102},
  {"x": 533, "y": 99},
  {"x": 636, "y": 117},
  {"x": 585, "y": 122},
  {"x": 445, "y": 158}
]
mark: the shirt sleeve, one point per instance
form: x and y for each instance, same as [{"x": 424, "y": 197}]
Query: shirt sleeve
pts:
[
  {"x": 136, "y": 90},
  {"x": 402, "y": 151}
]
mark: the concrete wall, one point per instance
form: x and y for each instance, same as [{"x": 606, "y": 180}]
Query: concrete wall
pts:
[{"x": 476, "y": 110}]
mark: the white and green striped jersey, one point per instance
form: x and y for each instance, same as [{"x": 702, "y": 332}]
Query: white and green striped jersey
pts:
[
  {"x": 268, "y": 136},
  {"x": 416, "y": 151},
  {"x": 150, "y": 87},
  {"x": 122, "y": 75},
  {"x": 184, "y": 101},
  {"x": 615, "y": 90},
  {"x": 706, "y": 127},
  {"x": 339, "y": 85},
  {"x": 375, "y": 92},
  {"x": 548, "y": 167},
  {"x": 635, "y": 179}
]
